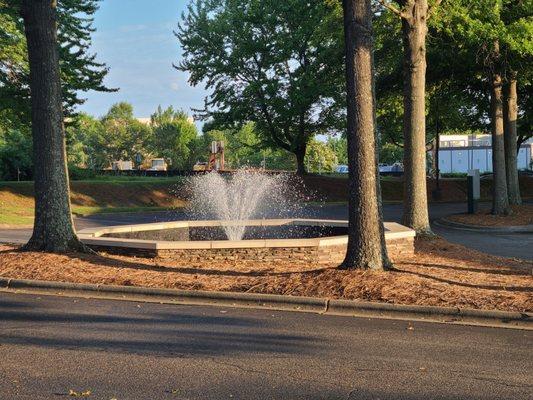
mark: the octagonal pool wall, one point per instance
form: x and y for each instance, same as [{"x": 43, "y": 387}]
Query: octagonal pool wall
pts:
[{"x": 328, "y": 250}]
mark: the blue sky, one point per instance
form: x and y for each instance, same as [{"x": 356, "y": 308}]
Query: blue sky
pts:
[{"x": 134, "y": 38}]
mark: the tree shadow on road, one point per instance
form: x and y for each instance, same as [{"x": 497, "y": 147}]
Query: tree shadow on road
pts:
[{"x": 172, "y": 332}]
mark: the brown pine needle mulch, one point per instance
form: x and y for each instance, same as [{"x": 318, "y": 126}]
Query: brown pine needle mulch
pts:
[
  {"x": 439, "y": 274},
  {"x": 520, "y": 215}
]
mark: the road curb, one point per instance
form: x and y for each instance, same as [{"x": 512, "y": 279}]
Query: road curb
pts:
[
  {"x": 445, "y": 223},
  {"x": 319, "y": 305}
]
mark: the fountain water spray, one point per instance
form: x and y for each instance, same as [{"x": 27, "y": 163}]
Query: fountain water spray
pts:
[{"x": 244, "y": 195}]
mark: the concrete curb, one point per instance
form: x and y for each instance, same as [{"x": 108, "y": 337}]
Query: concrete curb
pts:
[
  {"x": 445, "y": 223},
  {"x": 319, "y": 305}
]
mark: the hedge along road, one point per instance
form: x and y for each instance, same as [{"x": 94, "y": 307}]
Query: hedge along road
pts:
[
  {"x": 502, "y": 244},
  {"x": 50, "y": 345}
]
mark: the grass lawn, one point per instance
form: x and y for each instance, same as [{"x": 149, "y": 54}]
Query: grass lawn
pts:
[
  {"x": 438, "y": 274},
  {"x": 84, "y": 210},
  {"x": 23, "y": 216},
  {"x": 13, "y": 216},
  {"x": 124, "y": 194},
  {"x": 105, "y": 194}
]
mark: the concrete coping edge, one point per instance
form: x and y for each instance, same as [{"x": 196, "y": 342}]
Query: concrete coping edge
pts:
[
  {"x": 93, "y": 236},
  {"x": 281, "y": 302}
]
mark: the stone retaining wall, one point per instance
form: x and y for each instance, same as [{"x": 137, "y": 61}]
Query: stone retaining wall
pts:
[
  {"x": 148, "y": 240},
  {"x": 323, "y": 255}
]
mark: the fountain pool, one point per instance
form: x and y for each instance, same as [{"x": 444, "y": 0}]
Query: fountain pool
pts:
[
  {"x": 296, "y": 241},
  {"x": 248, "y": 218}
]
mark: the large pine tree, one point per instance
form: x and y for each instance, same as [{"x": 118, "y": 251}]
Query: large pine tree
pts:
[
  {"x": 366, "y": 238},
  {"x": 414, "y": 15},
  {"x": 53, "y": 227},
  {"x": 80, "y": 71}
]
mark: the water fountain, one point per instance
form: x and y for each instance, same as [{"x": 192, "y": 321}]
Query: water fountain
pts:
[
  {"x": 246, "y": 217},
  {"x": 242, "y": 196}
]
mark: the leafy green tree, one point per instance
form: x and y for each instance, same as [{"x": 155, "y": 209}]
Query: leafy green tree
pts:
[
  {"x": 173, "y": 136},
  {"x": 275, "y": 63},
  {"x": 123, "y": 137},
  {"x": 84, "y": 142},
  {"x": 245, "y": 147},
  {"x": 13, "y": 65},
  {"x": 278, "y": 159},
  {"x": 339, "y": 145},
  {"x": 499, "y": 37},
  {"x": 320, "y": 157},
  {"x": 163, "y": 116},
  {"x": 15, "y": 155},
  {"x": 390, "y": 153}
]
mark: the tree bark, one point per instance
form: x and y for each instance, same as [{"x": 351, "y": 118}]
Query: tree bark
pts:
[
  {"x": 300, "y": 161},
  {"x": 366, "y": 239},
  {"x": 500, "y": 200},
  {"x": 53, "y": 227},
  {"x": 414, "y": 29},
  {"x": 510, "y": 141}
]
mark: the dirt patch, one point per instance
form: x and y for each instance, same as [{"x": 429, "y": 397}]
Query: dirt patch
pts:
[
  {"x": 439, "y": 274},
  {"x": 520, "y": 215}
]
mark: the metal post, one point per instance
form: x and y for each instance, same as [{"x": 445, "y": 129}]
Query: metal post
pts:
[{"x": 473, "y": 191}]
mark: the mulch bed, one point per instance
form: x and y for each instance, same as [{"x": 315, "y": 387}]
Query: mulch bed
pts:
[
  {"x": 439, "y": 274},
  {"x": 520, "y": 215}
]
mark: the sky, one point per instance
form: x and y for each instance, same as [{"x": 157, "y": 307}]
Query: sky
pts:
[{"x": 134, "y": 38}]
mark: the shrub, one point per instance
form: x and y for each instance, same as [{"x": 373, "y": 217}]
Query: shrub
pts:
[{"x": 79, "y": 174}]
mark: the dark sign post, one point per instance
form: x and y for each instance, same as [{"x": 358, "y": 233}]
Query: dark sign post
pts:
[
  {"x": 138, "y": 160},
  {"x": 473, "y": 190}
]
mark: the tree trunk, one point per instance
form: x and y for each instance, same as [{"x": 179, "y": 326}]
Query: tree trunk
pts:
[
  {"x": 500, "y": 200},
  {"x": 414, "y": 28},
  {"x": 53, "y": 228},
  {"x": 300, "y": 161},
  {"x": 366, "y": 239},
  {"x": 510, "y": 141}
]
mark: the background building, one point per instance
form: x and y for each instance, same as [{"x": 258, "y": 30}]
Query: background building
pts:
[{"x": 459, "y": 153}]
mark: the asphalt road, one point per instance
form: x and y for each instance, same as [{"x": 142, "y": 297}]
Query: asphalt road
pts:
[
  {"x": 506, "y": 245},
  {"x": 125, "y": 350}
]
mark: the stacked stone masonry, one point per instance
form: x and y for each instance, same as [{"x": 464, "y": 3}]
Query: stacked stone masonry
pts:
[
  {"x": 323, "y": 255},
  {"x": 152, "y": 240}
]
